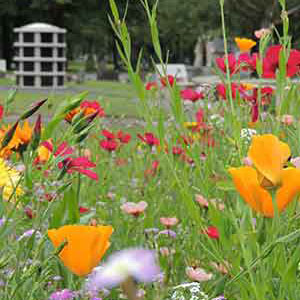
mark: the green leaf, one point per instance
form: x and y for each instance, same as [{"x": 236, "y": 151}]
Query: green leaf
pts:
[{"x": 225, "y": 185}]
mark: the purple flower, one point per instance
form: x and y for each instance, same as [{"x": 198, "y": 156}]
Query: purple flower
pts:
[
  {"x": 2, "y": 221},
  {"x": 139, "y": 264},
  {"x": 220, "y": 298},
  {"x": 62, "y": 295},
  {"x": 29, "y": 233},
  {"x": 149, "y": 231}
]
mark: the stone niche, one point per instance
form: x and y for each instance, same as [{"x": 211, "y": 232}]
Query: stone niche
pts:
[{"x": 40, "y": 56}]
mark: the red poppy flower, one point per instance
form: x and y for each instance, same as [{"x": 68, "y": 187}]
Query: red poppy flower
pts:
[
  {"x": 83, "y": 210},
  {"x": 109, "y": 145},
  {"x": 108, "y": 134},
  {"x": 169, "y": 78},
  {"x": 191, "y": 95},
  {"x": 79, "y": 164},
  {"x": 221, "y": 90},
  {"x": 247, "y": 62},
  {"x": 153, "y": 170},
  {"x": 271, "y": 62},
  {"x": 266, "y": 95},
  {"x": 151, "y": 86},
  {"x": 149, "y": 138},
  {"x": 177, "y": 150},
  {"x": 1, "y": 111},
  {"x": 124, "y": 138},
  {"x": 90, "y": 107},
  {"x": 232, "y": 64},
  {"x": 213, "y": 232}
]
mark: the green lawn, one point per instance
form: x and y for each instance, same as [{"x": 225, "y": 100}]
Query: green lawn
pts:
[{"x": 116, "y": 98}]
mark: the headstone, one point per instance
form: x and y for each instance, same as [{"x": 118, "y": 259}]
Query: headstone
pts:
[
  {"x": 215, "y": 48},
  {"x": 3, "y": 65},
  {"x": 177, "y": 70},
  {"x": 198, "y": 61}
]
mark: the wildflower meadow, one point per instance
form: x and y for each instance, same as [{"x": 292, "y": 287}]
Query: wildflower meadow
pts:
[{"x": 200, "y": 202}]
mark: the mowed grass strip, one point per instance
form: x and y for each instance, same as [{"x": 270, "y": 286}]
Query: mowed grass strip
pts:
[{"x": 117, "y": 99}]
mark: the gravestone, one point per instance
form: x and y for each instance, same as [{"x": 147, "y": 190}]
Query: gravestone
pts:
[
  {"x": 3, "y": 65},
  {"x": 215, "y": 48},
  {"x": 177, "y": 70}
]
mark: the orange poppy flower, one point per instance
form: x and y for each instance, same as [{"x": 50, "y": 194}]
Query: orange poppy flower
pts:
[
  {"x": 244, "y": 45},
  {"x": 85, "y": 246},
  {"x": 21, "y": 137},
  {"x": 268, "y": 155},
  {"x": 69, "y": 116}
]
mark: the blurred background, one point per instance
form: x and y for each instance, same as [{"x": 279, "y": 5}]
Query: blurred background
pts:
[{"x": 185, "y": 27}]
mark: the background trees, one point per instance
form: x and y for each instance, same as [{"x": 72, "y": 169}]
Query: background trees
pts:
[{"x": 181, "y": 23}]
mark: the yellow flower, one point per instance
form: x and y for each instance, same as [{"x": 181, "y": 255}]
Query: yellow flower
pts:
[
  {"x": 244, "y": 44},
  {"x": 9, "y": 181},
  {"x": 190, "y": 125},
  {"x": 248, "y": 86},
  {"x": 85, "y": 246},
  {"x": 269, "y": 156}
]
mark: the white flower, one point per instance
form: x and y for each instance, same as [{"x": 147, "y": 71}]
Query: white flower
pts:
[{"x": 247, "y": 133}]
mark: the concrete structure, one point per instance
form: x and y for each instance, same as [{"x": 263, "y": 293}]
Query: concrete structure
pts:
[{"x": 40, "y": 56}]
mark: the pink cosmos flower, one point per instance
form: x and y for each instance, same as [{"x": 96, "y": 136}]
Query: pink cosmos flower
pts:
[
  {"x": 262, "y": 32},
  {"x": 247, "y": 161},
  {"x": 296, "y": 162},
  {"x": 191, "y": 95},
  {"x": 232, "y": 64},
  {"x": 169, "y": 222},
  {"x": 202, "y": 201},
  {"x": 223, "y": 268},
  {"x": 198, "y": 274},
  {"x": 134, "y": 209},
  {"x": 62, "y": 295},
  {"x": 205, "y": 203},
  {"x": 287, "y": 120}
]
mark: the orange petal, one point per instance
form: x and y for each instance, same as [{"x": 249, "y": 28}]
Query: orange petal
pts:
[
  {"x": 247, "y": 184},
  {"x": 285, "y": 152},
  {"x": 85, "y": 246},
  {"x": 244, "y": 44},
  {"x": 289, "y": 189},
  {"x": 268, "y": 155}
]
